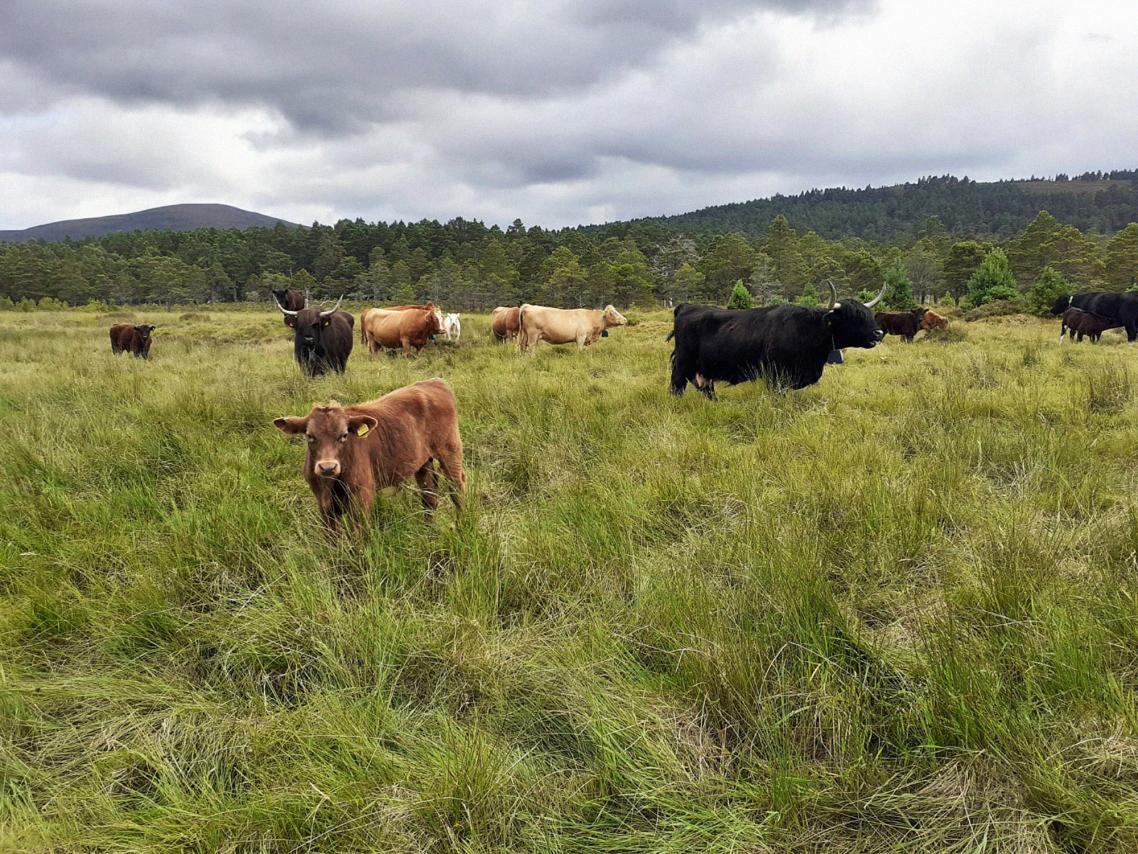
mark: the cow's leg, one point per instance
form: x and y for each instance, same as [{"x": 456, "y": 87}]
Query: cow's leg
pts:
[
  {"x": 363, "y": 503},
  {"x": 679, "y": 381},
  {"x": 330, "y": 510},
  {"x": 406, "y": 343},
  {"x": 428, "y": 487},
  {"x": 1132, "y": 332},
  {"x": 1062, "y": 331},
  {"x": 450, "y": 461}
]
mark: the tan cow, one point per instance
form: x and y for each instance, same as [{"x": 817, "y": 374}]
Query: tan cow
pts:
[
  {"x": 504, "y": 323},
  {"x": 564, "y": 325},
  {"x": 407, "y": 329},
  {"x": 354, "y": 451}
]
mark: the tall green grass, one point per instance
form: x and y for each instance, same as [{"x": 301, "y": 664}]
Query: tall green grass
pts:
[{"x": 896, "y": 611}]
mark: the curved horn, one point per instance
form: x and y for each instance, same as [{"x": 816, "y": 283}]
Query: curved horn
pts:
[
  {"x": 877, "y": 298},
  {"x": 332, "y": 310},
  {"x": 284, "y": 310},
  {"x": 834, "y": 295}
]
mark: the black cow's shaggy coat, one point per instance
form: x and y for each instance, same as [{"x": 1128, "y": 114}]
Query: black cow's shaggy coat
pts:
[
  {"x": 322, "y": 340},
  {"x": 787, "y": 345}
]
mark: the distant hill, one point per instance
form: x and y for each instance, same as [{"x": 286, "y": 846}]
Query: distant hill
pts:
[
  {"x": 168, "y": 218},
  {"x": 1093, "y": 202}
]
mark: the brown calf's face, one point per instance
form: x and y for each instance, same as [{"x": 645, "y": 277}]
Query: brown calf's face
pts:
[
  {"x": 329, "y": 430},
  {"x": 145, "y": 330}
]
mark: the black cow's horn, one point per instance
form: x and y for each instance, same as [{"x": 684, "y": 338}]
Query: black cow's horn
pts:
[
  {"x": 282, "y": 308},
  {"x": 332, "y": 310},
  {"x": 834, "y": 295},
  {"x": 877, "y": 298}
]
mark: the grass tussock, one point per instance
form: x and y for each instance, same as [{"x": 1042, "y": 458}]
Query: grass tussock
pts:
[{"x": 891, "y": 612}]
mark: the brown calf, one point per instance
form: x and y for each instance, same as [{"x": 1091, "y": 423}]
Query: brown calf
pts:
[
  {"x": 131, "y": 339},
  {"x": 932, "y": 320},
  {"x": 1086, "y": 323},
  {"x": 504, "y": 323},
  {"x": 904, "y": 323},
  {"x": 406, "y": 329},
  {"x": 354, "y": 451}
]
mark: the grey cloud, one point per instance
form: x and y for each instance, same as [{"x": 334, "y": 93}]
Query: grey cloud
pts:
[
  {"x": 336, "y": 67},
  {"x": 586, "y": 110}
]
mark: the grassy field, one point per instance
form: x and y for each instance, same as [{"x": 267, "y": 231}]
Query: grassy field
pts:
[{"x": 895, "y": 611}]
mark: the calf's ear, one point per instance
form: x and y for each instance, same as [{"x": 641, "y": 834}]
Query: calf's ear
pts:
[
  {"x": 361, "y": 425},
  {"x": 291, "y": 425}
]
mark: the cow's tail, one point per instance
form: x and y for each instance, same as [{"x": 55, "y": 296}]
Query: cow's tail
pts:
[
  {"x": 670, "y": 335},
  {"x": 522, "y": 328}
]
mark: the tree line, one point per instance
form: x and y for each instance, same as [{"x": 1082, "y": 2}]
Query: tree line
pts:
[
  {"x": 1101, "y": 202},
  {"x": 467, "y": 265}
]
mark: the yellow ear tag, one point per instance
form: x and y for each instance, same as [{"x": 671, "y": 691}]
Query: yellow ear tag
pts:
[{"x": 362, "y": 430}]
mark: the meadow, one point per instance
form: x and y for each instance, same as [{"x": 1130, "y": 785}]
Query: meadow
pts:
[{"x": 896, "y": 611}]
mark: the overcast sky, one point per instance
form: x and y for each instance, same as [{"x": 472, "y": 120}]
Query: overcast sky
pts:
[{"x": 556, "y": 112}]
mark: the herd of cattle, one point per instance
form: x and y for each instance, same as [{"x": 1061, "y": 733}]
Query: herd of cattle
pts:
[{"x": 356, "y": 450}]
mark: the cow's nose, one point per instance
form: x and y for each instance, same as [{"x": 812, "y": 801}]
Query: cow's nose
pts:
[{"x": 327, "y": 469}]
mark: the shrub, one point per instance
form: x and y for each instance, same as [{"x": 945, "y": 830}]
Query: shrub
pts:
[
  {"x": 1047, "y": 288},
  {"x": 993, "y": 280},
  {"x": 740, "y": 296},
  {"x": 809, "y": 297},
  {"x": 899, "y": 289}
]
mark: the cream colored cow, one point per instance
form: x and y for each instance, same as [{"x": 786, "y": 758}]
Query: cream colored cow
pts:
[{"x": 564, "y": 325}]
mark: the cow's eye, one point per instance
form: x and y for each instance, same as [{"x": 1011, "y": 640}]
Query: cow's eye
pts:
[
  {"x": 344, "y": 438},
  {"x": 311, "y": 439}
]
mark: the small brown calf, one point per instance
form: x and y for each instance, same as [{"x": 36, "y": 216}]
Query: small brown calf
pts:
[
  {"x": 354, "y": 451},
  {"x": 126, "y": 338}
]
